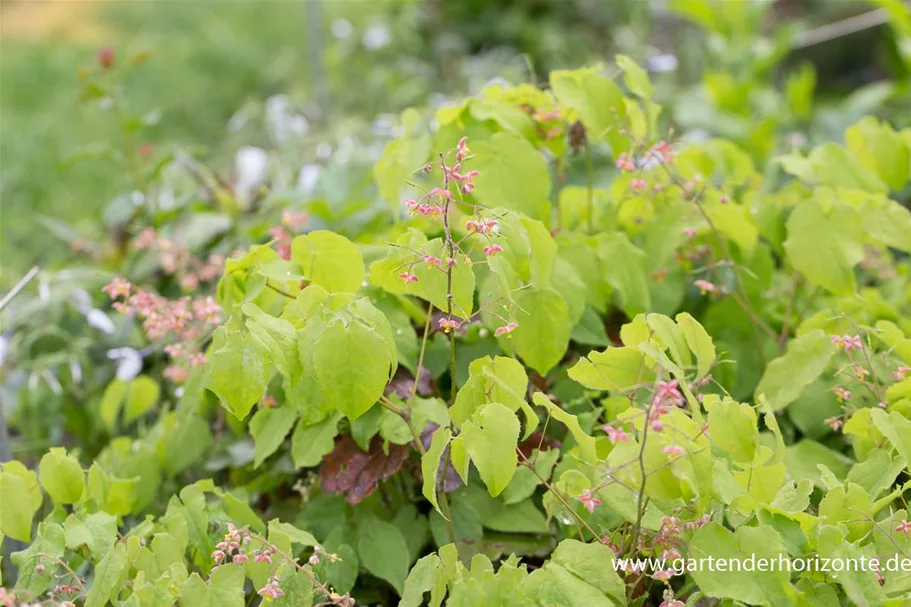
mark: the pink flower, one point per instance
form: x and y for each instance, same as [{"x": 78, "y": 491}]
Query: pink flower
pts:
[
  {"x": 657, "y": 426},
  {"x": 852, "y": 343},
  {"x": 835, "y": 423},
  {"x": 705, "y": 286},
  {"x": 117, "y": 288},
  {"x": 663, "y": 152},
  {"x": 408, "y": 278},
  {"x": 239, "y": 558},
  {"x": 625, "y": 162},
  {"x": 294, "y": 219},
  {"x": 899, "y": 373},
  {"x": 446, "y": 324},
  {"x": 431, "y": 260},
  {"x": 669, "y": 390},
  {"x": 904, "y": 527},
  {"x": 176, "y": 374},
  {"x": 638, "y": 185},
  {"x": 689, "y": 232},
  {"x": 672, "y": 602},
  {"x": 262, "y": 557},
  {"x": 145, "y": 239},
  {"x": 588, "y": 500},
  {"x": 411, "y": 204},
  {"x": 616, "y": 435},
  {"x": 271, "y": 590},
  {"x": 218, "y": 556},
  {"x": 493, "y": 249},
  {"x": 507, "y": 329},
  {"x": 467, "y": 188},
  {"x": 674, "y": 450},
  {"x": 841, "y": 393},
  {"x": 441, "y": 193},
  {"x": 663, "y": 575}
]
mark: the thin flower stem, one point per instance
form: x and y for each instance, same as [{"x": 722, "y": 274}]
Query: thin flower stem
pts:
[{"x": 322, "y": 587}]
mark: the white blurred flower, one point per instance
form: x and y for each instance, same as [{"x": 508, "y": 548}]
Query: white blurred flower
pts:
[
  {"x": 377, "y": 36},
  {"x": 342, "y": 28},
  {"x": 99, "y": 320},
  {"x": 129, "y": 362},
  {"x": 250, "y": 164},
  {"x": 4, "y": 348},
  {"x": 323, "y": 150},
  {"x": 662, "y": 63},
  {"x": 308, "y": 178}
]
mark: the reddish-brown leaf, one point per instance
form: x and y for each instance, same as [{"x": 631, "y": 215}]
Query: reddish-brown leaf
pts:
[{"x": 357, "y": 474}]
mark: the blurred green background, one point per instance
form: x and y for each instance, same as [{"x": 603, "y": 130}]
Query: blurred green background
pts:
[{"x": 342, "y": 64}]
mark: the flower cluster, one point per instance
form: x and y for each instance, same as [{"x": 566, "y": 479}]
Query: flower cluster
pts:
[
  {"x": 184, "y": 322},
  {"x": 848, "y": 342},
  {"x": 179, "y": 261},
  {"x": 282, "y": 237}
]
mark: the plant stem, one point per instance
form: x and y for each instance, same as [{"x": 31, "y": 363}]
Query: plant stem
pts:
[{"x": 589, "y": 169}]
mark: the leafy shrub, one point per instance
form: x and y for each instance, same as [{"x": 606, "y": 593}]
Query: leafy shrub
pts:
[{"x": 687, "y": 358}]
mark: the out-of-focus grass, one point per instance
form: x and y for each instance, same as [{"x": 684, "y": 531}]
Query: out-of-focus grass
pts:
[{"x": 206, "y": 59}]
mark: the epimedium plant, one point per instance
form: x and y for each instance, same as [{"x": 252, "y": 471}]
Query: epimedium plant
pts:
[{"x": 692, "y": 356}]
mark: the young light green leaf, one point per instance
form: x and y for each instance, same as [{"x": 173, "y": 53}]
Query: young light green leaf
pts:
[
  {"x": 352, "y": 366},
  {"x": 224, "y": 589},
  {"x": 615, "y": 369},
  {"x": 513, "y": 175},
  {"x": 491, "y": 443},
  {"x": 732, "y": 426},
  {"x": 61, "y": 476},
  {"x": 107, "y": 577},
  {"x": 329, "y": 260},
  {"x": 699, "y": 341},
  {"x": 544, "y": 327},
  {"x": 276, "y": 338},
  {"x": 269, "y": 426},
  {"x": 587, "y": 449},
  {"x": 786, "y": 377},
  {"x": 142, "y": 394},
  {"x": 239, "y": 373},
  {"x": 20, "y": 498},
  {"x": 430, "y": 464},
  {"x": 599, "y": 102}
]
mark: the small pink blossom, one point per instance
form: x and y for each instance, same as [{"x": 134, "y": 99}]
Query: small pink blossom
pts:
[
  {"x": 239, "y": 559},
  {"x": 853, "y": 342},
  {"x": 146, "y": 239},
  {"x": 674, "y": 450},
  {"x": 588, "y": 500},
  {"x": 441, "y": 193},
  {"x": 835, "y": 423},
  {"x": 218, "y": 556},
  {"x": 506, "y": 329},
  {"x": 663, "y": 152},
  {"x": 431, "y": 260},
  {"x": 616, "y": 435},
  {"x": 904, "y": 527},
  {"x": 663, "y": 575},
  {"x": 705, "y": 286},
  {"x": 899, "y": 373},
  {"x": 668, "y": 390},
  {"x": 446, "y": 324},
  {"x": 271, "y": 590},
  {"x": 262, "y": 557},
  {"x": 841, "y": 393},
  {"x": 408, "y": 277},
  {"x": 467, "y": 188},
  {"x": 638, "y": 185},
  {"x": 493, "y": 249},
  {"x": 176, "y": 374},
  {"x": 657, "y": 426},
  {"x": 689, "y": 232},
  {"x": 118, "y": 287},
  {"x": 294, "y": 220},
  {"x": 625, "y": 162}
]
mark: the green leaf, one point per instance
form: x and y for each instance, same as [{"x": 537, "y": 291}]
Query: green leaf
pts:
[
  {"x": 98, "y": 531},
  {"x": 49, "y": 542},
  {"x": 113, "y": 494},
  {"x": 599, "y": 102},
  {"x": 224, "y": 589},
  {"x": 880, "y": 150},
  {"x": 401, "y": 158},
  {"x": 269, "y": 427},
  {"x": 383, "y": 552},
  {"x": 587, "y": 448},
  {"x": 276, "y": 338},
  {"x": 624, "y": 267},
  {"x": 615, "y": 369},
  {"x": 111, "y": 401},
  {"x": 425, "y": 576},
  {"x": 351, "y": 366},
  {"x": 732, "y": 426},
  {"x": 786, "y": 377},
  {"x": 896, "y": 428},
  {"x": 310, "y": 443},
  {"x": 239, "y": 373},
  {"x": 513, "y": 175},
  {"x": 20, "y": 498},
  {"x": 544, "y": 327},
  {"x": 142, "y": 394},
  {"x": 298, "y": 589},
  {"x": 699, "y": 341},
  {"x": 61, "y": 476},
  {"x": 430, "y": 464},
  {"x": 106, "y": 584},
  {"x": 490, "y": 440},
  {"x": 832, "y": 165},
  {"x": 635, "y": 78},
  {"x": 824, "y": 244},
  {"x": 329, "y": 260}
]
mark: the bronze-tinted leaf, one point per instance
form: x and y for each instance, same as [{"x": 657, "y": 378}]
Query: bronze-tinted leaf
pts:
[{"x": 356, "y": 473}]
